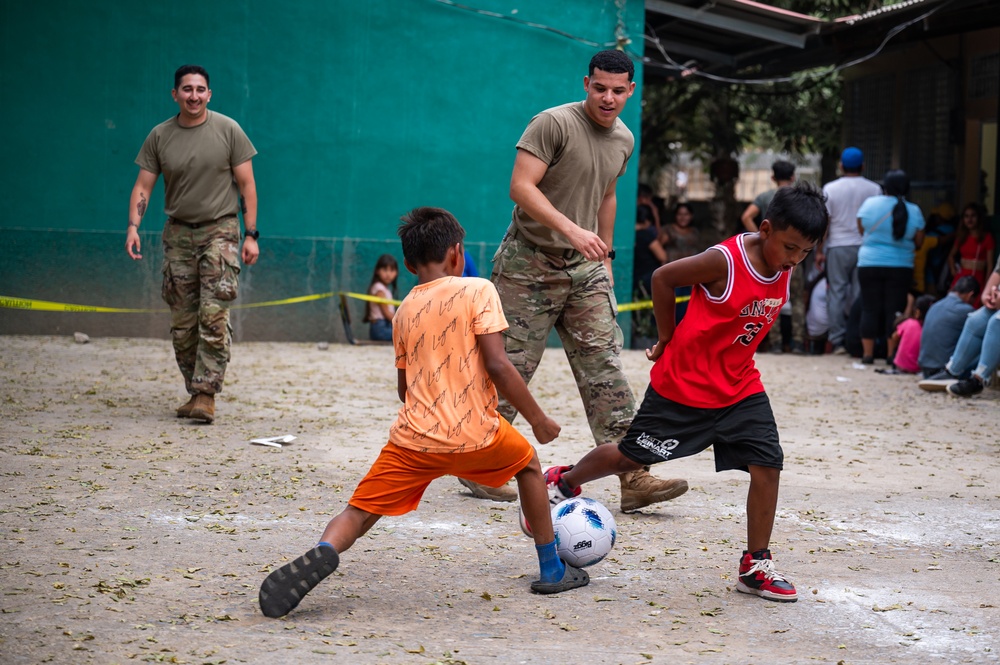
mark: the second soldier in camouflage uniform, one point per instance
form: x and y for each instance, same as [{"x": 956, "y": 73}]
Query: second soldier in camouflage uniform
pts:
[
  {"x": 553, "y": 267},
  {"x": 205, "y": 159}
]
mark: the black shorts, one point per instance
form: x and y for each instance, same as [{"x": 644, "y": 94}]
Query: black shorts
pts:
[{"x": 743, "y": 434}]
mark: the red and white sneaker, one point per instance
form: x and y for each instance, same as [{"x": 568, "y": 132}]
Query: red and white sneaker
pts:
[
  {"x": 758, "y": 576},
  {"x": 559, "y": 491}
]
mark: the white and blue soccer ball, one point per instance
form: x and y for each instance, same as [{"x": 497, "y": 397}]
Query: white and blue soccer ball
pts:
[{"x": 585, "y": 531}]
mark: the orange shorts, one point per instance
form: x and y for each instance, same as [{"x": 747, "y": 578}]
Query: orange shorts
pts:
[{"x": 399, "y": 477}]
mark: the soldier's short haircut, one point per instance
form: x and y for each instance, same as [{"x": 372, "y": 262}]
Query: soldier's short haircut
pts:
[
  {"x": 612, "y": 62},
  {"x": 184, "y": 70}
]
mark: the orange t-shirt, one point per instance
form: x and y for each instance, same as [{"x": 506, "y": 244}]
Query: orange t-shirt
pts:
[{"x": 451, "y": 402}]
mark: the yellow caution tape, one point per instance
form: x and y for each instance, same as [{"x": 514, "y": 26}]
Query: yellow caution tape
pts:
[
  {"x": 46, "y": 306},
  {"x": 9, "y": 302},
  {"x": 375, "y": 299},
  {"x": 646, "y": 304}
]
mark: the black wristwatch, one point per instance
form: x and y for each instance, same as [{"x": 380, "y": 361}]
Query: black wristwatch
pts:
[{"x": 255, "y": 234}]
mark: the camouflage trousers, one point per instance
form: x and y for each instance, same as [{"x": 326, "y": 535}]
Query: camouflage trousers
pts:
[
  {"x": 542, "y": 291},
  {"x": 200, "y": 278}
]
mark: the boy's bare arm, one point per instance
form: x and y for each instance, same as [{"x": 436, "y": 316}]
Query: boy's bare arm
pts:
[
  {"x": 510, "y": 384},
  {"x": 708, "y": 268}
]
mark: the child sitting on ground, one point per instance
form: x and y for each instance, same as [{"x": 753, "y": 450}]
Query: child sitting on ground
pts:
[
  {"x": 904, "y": 344},
  {"x": 704, "y": 389},
  {"x": 450, "y": 362}
]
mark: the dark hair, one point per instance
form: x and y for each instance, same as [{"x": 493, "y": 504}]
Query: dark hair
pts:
[
  {"x": 966, "y": 284},
  {"x": 801, "y": 206},
  {"x": 783, "y": 170},
  {"x": 643, "y": 214},
  {"x": 921, "y": 305},
  {"x": 427, "y": 233},
  {"x": 979, "y": 231},
  {"x": 385, "y": 261},
  {"x": 184, "y": 70},
  {"x": 645, "y": 190},
  {"x": 612, "y": 62},
  {"x": 897, "y": 183}
]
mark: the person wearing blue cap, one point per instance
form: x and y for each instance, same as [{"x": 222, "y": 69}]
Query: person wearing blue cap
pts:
[{"x": 839, "y": 250}]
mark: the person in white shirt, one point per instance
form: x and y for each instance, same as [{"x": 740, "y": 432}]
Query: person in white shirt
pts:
[{"x": 838, "y": 253}]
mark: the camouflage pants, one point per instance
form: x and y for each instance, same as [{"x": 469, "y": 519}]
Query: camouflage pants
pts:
[
  {"x": 540, "y": 292},
  {"x": 200, "y": 278}
]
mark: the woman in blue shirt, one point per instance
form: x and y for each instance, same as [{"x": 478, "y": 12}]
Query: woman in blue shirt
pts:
[{"x": 893, "y": 230}]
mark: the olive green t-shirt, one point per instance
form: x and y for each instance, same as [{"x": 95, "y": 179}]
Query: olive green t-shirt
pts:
[
  {"x": 197, "y": 166},
  {"x": 584, "y": 159}
]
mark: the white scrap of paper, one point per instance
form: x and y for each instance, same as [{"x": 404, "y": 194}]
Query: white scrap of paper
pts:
[{"x": 274, "y": 441}]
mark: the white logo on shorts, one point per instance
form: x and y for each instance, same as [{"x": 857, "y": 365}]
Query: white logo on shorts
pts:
[{"x": 661, "y": 448}]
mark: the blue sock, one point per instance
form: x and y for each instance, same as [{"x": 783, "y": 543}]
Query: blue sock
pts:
[
  {"x": 323, "y": 543},
  {"x": 552, "y": 566}
]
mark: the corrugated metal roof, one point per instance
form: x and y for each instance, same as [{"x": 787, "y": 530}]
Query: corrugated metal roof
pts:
[
  {"x": 883, "y": 11},
  {"x": 726, "y": 37}
]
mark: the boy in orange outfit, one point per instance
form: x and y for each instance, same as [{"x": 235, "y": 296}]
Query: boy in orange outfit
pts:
[{"x": 451, "y": 362}]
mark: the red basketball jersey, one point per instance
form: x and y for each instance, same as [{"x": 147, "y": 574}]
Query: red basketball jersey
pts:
[{"x": 709, "y": 362}]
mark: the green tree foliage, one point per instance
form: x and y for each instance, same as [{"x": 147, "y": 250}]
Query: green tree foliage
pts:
[{"x": 711, "y": 118}]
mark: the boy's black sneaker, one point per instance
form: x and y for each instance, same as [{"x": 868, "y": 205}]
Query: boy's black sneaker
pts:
[
  {"x": 758, "y": 577},
  {"x": 285, "y": 587},
  {"x": 968, "y": 388}
]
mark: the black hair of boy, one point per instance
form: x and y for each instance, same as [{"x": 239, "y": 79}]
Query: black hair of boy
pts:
[
  {"x": 612, "y": 62},
  {"x": 783, "y": 170},
  {"x": 966, "y": 284},
  {"x": 427, "y": 233},
  {"x": 801, "y": 206},
  {"x": 184, "y": 70}
]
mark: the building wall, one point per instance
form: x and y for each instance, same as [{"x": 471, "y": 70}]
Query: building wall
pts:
[
  {"x": 916, "y": 108},
  {"x": 359, "y": 111}
]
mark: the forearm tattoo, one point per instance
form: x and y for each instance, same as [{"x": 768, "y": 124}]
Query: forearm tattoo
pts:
[{"x": 140, "y": 207}]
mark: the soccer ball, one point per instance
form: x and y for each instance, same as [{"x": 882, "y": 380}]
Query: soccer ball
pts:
[{"x": 585, "y": 531}]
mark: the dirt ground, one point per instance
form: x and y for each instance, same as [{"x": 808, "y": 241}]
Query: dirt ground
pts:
[{"x": 129, "y": 535}]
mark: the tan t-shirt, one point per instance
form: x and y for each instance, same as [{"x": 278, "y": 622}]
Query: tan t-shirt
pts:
[
  {"x": 197, "y": 166},
  {"x": 584, "y": 159},
  {"x": 451, "y": 402}
]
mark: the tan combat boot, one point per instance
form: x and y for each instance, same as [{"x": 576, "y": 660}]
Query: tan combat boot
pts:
[
  {"x": 502, "y": 493},
  {"x": 184, "y": 410},
  {"x": 640, "y": 489},
  {"x": 204, "y": 407}
]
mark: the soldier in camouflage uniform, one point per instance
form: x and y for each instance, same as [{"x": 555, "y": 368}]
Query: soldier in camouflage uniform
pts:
[
  {"x": 205, "y": 159},
  {"x": 553, "y": 267}
]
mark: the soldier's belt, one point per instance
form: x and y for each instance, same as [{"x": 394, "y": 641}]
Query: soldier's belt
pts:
[{"x": 199, "y": 225}]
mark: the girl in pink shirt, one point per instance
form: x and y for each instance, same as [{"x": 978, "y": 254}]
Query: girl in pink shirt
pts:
[{"x": 906, "y": 340}]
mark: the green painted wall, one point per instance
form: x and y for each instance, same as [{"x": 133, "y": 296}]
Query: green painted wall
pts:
[{"x": 359, "y": 112}]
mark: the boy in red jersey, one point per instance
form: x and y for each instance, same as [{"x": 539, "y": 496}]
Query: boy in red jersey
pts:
[
  {"x": 704, "y": 389},
  {"x": 451, "y": 363}
]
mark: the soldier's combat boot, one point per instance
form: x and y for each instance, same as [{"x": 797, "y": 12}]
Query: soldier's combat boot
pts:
[
  {"x": 204, "y": 407},
  {"x": 640, "y": 489}
]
